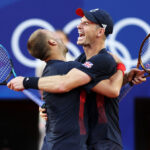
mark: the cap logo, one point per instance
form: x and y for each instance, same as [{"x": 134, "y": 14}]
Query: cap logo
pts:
[
  {"x": 104, "y": 26},
  {"x": 94, "y": 10}
]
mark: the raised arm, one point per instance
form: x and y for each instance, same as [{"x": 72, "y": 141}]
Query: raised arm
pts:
[
  {"x": 54, "y": 84},
  {"x": 110, "y": 87},
  {"x": 65, "y": 83}
]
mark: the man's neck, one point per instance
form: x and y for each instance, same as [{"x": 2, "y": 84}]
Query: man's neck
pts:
[
  {"x": 56, "y": 58},
  {"x": 91, "y": 51}
]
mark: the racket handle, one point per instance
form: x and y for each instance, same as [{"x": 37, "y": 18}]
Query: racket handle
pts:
[
  {"x": 3, "y": 83},
  {"x": 34, "y": 98},
  {"x": 131, "y": 84},
  {"x": 43, "y": 106},
  {"x": 145, "y": 76},
  {"x": 124, "y": 91}
]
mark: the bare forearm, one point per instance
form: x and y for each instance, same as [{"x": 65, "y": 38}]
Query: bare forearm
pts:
[
  {"x": 52, "y": 84},
  {"x": 110, "y": 87},
  {"x": 64, "y": 83}
]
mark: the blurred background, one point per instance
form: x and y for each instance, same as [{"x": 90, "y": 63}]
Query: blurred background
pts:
[{"x": 19, "y": 118}]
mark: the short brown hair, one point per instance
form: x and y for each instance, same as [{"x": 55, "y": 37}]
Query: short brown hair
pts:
[{"x": 38, "y": 45}]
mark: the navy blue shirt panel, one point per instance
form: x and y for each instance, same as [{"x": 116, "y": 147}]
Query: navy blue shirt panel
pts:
[
  {"x": 103, "y": 119},
  {"x": 102, "y": 111},
  {"x": 81, "y": 58},
  {"x": 62, "y": 109}
]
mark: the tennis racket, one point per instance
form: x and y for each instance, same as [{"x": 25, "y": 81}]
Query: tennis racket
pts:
[
  {"x": 144, "y": 56},
  {"x": 143, "y": 63},
  {"x": 7, "y": 71}
]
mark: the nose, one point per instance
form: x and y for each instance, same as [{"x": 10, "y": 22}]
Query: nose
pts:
[{"x": 79, "y": 26}]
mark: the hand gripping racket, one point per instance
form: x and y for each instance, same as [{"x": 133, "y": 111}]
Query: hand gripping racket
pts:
[
  {"x": 7, "y": 70},
  {"x": 143, "y": 63}
]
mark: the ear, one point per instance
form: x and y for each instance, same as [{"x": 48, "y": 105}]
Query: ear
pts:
[
  {"x": 101, "y": 32},
  {"x": 51, "y": 42}
]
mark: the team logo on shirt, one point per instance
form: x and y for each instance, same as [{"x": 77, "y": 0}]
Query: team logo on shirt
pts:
[{"x": 88, "y": 64}]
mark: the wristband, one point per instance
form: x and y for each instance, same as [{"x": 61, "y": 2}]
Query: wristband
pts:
[
  {"x": 121, "y": 66},
  {"x": 30, "y": 82}
]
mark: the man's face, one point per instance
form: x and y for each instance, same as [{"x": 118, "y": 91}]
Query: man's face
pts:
[
  {"x": 87, "y": 32},
  {"x": 62, "y": 36},
  {"x": 62, "y": 46},
  {"x": 60, "y": 43}
]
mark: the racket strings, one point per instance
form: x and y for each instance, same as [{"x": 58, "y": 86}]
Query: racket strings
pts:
[
  {"x": 5, "y": 65},
  {"x": 145, "y": 54}
]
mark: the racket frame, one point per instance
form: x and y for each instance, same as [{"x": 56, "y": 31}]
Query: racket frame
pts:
[
  {"x": 139, "y": 57},
  {"x": 12, "y": 67},
  {"x": 33, "y": 97}
]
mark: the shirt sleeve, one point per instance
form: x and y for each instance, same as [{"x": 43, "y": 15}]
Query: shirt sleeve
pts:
[{"x": 99, "y": 67}]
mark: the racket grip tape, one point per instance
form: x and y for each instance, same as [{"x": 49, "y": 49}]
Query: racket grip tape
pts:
[
  {"x": 34, "y": 98},
  {"x": 3, "y": 83},
  {"x": 43, "y": 106}
]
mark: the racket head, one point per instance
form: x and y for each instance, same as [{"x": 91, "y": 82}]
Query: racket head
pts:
[
  {"x": 6, "y": 66},
  {"x": 7, "y": 69},
  {"x": 145, "y": 61}
]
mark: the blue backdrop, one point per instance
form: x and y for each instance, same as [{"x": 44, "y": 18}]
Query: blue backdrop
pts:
[{"x": 19, "y": 18}]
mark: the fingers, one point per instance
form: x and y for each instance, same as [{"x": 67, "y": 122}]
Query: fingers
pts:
[
  {"x": 16, "y": 84},
  {"x": 130, "y": 76},
  {"x": 11, "y": 85},
  {"x": 142, "y": 72},
  {"x": 44, "y": 116},
  {"x": 43, "y": 113},
  {"x": 138, "y": 80},
  {"x": 136, "y": 76},
  {"x": 42, "y": 109}
]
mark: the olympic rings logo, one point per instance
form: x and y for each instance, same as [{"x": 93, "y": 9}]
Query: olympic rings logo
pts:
[
  {"x": 111, "y": 42},
  {"x": 115, "y": 45}
]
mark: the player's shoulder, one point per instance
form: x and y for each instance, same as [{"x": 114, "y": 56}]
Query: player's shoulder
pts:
[
  {"x": 103, "y": 60},
  {"x": 104, "y": 53},
  {"x": 61, "y": 67},
  {"x": 73, "y": 63},
  {"x": 53, "y": 67},
  {"x": 103, "y": 56},
  {"x": 55, "y": 63}
]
